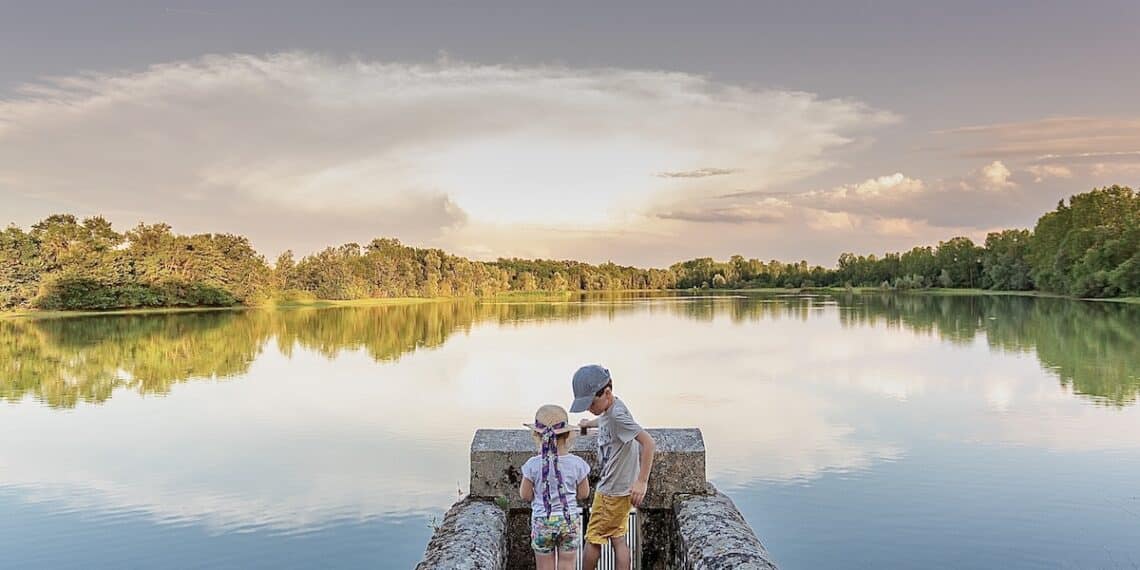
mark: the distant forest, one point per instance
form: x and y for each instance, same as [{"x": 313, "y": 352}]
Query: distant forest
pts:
[{"x": 1088, "y": 247}]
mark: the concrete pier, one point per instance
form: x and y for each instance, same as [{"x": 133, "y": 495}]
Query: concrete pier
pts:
[
  {"x": 472, "y": 536},
  {"x": 683, "y": 523}
]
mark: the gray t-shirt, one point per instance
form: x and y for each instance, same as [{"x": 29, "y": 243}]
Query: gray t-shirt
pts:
[{"x": 618, "y": 451}]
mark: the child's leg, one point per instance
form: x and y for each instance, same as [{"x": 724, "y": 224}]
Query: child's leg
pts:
[
  {"x": 567, "y": 559},
  {"x": 622, "y": 558},
  {"x": 545, "y": 561},
  {"x": 592, "y": 554}
]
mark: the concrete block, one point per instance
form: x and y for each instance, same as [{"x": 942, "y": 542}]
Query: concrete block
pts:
[
  {"x": 498, "y": 454},
  {"x": 711, "y": 534},
  {"x": 472, "y": 536}
]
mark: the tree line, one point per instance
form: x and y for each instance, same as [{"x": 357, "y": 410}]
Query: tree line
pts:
[{"x": 1087, "y": 247}]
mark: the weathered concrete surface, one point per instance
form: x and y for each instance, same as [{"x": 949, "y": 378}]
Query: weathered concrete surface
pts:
[
  {"x": 711, "y": 534},
  {"x": 683, "y": 523},
  {"x": 473, "y": 536},
  {"x": 519, "y": 553},
  {"x": 656, "y": 537},
  {"x": 678, "y": 468},
  {"x": 497, "y": 455}
]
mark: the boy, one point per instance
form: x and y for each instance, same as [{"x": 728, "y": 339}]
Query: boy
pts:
[{"x": 625, "y": 457}]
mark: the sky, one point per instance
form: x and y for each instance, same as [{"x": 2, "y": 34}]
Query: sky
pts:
[{"x": 640, "y": 132}]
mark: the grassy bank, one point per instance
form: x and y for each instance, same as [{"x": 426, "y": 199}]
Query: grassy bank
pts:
[
  {"x": 272, "y": 304},
  {"x": 148, "y": 311},
  {"x": 951, "y": 292},
  {"x": 318, "y": 303},
  {"x": 1042, "y": 294},
  {"x": 936, "y": 291},
  {"x": 1128, "y": 300},
  {"x": 531, "y": 296},
  {"x": 964, "y": 292}
]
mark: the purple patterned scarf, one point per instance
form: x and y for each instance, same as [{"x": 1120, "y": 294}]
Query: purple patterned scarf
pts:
[{"x": 550, "y": 450}]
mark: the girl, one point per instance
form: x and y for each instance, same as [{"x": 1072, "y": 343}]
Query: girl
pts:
[{"x": 553, "y": 482}]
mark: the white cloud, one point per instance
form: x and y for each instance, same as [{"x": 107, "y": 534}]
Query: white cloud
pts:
[
  {"x": 894, "y": 211},
  {"x": 824, "y": 220},
  {"x": 1041, "y": 172},
  {"x": 1115, "y": 170},
  {"x": 354, "y": 149},
  {"x": 641, "y": 167},
  {"x": 995, "y": 176},
  {"x": 698, "y": 173},
  {"x": 764, "y": 211},
  {"x": 895, "y": 227},
  {"x": 897, "y": 204},
  {"x": 893, "y": 185},
  {"x": 873, "y": 192}
]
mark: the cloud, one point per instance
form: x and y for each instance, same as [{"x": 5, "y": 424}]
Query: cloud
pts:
[
  {"x": 1058, "y": 147},
  {"x": 822, "y": 220},
  {"x": 766, "y": 211},
  {"x": 1098, "y": 150},
  {"x": 698, "y": 173},
  {"x": 1112, "y": 172},
  {"x": 983, "y": 198},
  {"x": 351, "y": 149},
  {"x": 895, "y": 194},
  {"x": 836, "y": 209},
  {"x": 884, "y": 188},
  {"x": 1093, "y": 157},
  {"x": 895, "y": 227},
  {"x": 893, "y": 211},
  {"x": 995, "y": 176},
  {"x": 1056, "y": 136},
  {"x": 1041, "y": 172}
]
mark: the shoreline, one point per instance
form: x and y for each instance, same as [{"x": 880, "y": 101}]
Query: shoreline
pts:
[
  {"x": 536, "y": 296},
  {"x": 314, "y": 303}
]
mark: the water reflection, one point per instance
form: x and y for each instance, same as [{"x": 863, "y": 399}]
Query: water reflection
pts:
[
  {"x": 1091, "y": 347},
  {"x": 308, "y": 422}
]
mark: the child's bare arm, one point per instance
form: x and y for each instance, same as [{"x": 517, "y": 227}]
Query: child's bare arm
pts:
[
  {"x": 648, "y": 447},
  {"x": 583, "y": 489},
  {"x": 526, "y": 490}
]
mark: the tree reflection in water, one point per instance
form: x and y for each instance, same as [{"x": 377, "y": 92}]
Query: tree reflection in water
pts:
[{"x": 1091, "y": 347}]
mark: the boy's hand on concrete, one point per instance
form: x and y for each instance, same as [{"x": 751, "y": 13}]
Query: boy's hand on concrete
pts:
[{"x": 637, "y": 493}]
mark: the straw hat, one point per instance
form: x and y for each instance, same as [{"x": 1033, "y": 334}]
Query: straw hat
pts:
[{"x": 551, "y": 416}]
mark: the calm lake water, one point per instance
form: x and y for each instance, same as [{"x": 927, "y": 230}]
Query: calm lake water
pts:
[{"x": 852, "y": 431}]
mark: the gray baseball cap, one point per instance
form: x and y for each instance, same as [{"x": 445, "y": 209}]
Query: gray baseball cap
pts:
[{"x": 587, "y": 381}]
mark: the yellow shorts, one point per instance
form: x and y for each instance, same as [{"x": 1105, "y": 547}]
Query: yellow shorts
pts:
[{"x": 609, "y": 518}]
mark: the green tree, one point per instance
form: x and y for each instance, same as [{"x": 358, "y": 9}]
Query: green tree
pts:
[
  {"x": 961, "y": 260},
  {"x": 1080, "y": 248},
  {"x": 21, "y": 268},
  {"x": 1005, "y": 262}
]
